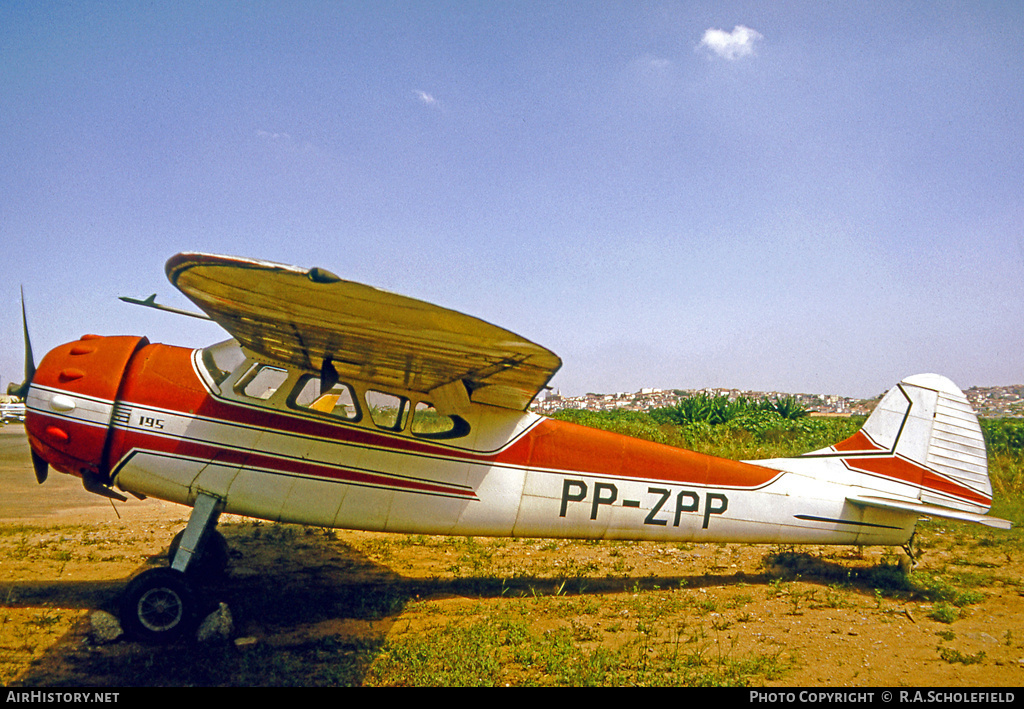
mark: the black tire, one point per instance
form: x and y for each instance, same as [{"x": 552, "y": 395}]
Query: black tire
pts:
[
  {"x": 158, "y": 606},
  {"x": 212, "y": 561}
]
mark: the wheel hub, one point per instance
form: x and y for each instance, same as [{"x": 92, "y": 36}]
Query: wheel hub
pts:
[{"x": 160, "y": 609}]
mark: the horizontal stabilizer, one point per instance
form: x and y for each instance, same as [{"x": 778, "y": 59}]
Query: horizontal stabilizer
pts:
[{"x": 928, "y": 510}]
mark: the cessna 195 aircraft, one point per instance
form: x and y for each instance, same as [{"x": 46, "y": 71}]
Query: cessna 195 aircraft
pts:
[{"x": 339, "y": 405}]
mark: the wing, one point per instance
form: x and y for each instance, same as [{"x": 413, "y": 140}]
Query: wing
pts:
[{"x": 309, "y": 318}]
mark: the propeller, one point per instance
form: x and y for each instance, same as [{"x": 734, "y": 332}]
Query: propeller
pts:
[
  {"x": 39, "y": 463},
  {"x": 20, "y": 390}
]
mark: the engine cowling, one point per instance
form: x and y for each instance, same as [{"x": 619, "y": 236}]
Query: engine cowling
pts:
[{"x": 71, "y": 401}]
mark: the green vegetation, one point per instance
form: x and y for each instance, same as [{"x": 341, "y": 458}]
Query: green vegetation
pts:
[
  {"x": 743, "y": 429},
  {"x": 1005, "y": 441},
  {"x": 508, "y": 651},
  {"x": 1003, "y": 436},
  {"x": 704, "y": 408},
  {"x": 945, "y": 613},
  {"x": 955, "y": 656}
]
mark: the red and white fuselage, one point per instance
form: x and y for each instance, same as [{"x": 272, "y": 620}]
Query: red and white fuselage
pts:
[{"x": 154, "y": 420}]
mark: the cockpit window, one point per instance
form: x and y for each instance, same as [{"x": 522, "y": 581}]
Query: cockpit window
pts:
[
  {"x": 387, "y": 410},
  {"x": 384, "y": 410},
  {"x": 339, "y": 400},
  {"x": 262, "y": 381},
  {"x": 221, "y": 359},
  {"x": 428, "y": 422}
]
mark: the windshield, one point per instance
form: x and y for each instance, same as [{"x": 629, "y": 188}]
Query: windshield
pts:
[{"x": 221, "y": 359}]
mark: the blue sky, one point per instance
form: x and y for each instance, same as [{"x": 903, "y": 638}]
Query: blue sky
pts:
[{"x": 805, "y": 197}]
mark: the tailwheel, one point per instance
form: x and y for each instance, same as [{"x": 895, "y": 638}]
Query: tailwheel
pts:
[{"x": 158, "y": 606}]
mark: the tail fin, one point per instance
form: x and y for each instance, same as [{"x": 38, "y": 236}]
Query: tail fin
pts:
[
  {"x": 920, "y": 451},
  {"x": 926, "y": 423}
]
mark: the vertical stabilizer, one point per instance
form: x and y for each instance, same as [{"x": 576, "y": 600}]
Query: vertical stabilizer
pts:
[
  {"x": 933, "y": 439},
  {"x": 921, "y": 451}
]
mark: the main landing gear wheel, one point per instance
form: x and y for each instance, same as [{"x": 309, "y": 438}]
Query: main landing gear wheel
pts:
[{"x": 158, "y": 606}]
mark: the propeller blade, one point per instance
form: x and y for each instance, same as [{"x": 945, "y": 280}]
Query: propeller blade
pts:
[
  {"x": 41, "y": 467},
  {"x": 30, "y": 363}
]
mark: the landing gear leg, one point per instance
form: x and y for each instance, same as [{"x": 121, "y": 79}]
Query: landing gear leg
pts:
[
  {"x": 159, "y": 605},
  {"x": 200, "y": 550},
  {"x": 205, "y": 513}
]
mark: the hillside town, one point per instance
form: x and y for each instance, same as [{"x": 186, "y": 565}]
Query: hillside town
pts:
[
  {"x": 992, "y": 402},
  {"x": 987, "y": 401}
]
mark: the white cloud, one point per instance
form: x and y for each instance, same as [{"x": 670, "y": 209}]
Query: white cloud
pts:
[
  {"x": 731, "y": 45},
  {"x": 426, "y": 98},
  {"x": 267, "y": 135}
]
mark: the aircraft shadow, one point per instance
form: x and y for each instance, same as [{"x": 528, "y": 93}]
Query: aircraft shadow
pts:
[{"x": 306, "y": 612}]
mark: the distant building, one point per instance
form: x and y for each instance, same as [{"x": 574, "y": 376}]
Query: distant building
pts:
[{"x": 989, "y": 401}]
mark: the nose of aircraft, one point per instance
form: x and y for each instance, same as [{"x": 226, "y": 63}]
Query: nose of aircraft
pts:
[{"x": 70, "y": 403}]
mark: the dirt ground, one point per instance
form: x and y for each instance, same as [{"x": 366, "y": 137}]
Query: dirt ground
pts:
[{"x": 65, "y": 553}]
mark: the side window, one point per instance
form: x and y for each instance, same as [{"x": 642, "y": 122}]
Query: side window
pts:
[
  {"x": 387, "y": 410},
  {"x": 337, "y": 401},
  {"x": 427, "y": 422},
  {"x": 262, "y": 381}
]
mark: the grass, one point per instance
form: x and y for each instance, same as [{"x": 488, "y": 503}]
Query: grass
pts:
[
  {"x": 505, "y": 648},
  {"x": 549, "y": 623},
  {"x": 956, "y": 657}
]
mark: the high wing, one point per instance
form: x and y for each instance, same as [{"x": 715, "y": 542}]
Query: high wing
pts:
[{"x": 313, "y": 319}]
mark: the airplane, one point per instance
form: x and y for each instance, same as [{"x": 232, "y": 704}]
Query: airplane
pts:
[{"x": 340, "y": 405}]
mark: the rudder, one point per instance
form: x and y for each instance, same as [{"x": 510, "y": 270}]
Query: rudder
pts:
[
  {"x": 921, "y": 451},
  {"x": 928, "y": 422}
]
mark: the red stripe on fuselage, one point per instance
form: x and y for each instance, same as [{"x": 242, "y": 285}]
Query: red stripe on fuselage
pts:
[
  {"x": 181, "y": 448},
  {"x": 163, "y": 377},
  {"x": 561, "y": 446},
  {"x": 858, "y": 442}
]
